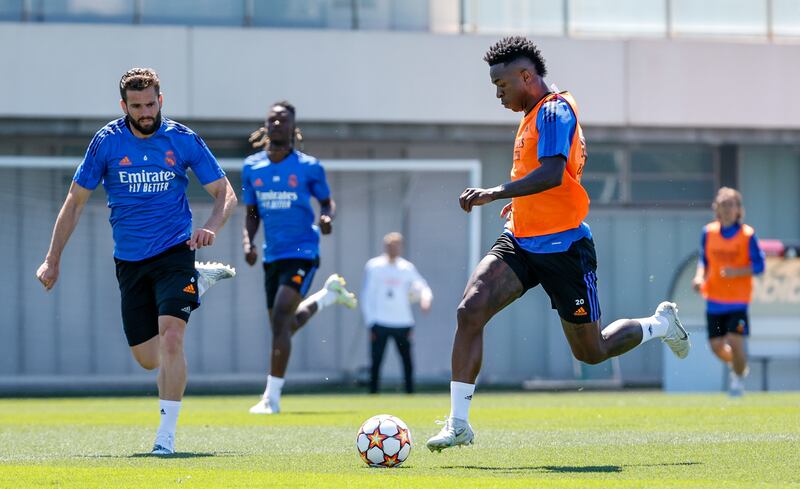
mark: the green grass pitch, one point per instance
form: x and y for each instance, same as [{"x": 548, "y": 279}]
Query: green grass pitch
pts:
[{"x": 523, "y": 440}]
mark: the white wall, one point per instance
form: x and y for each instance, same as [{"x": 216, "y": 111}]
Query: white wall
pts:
[{"x": 52, "y": 70}]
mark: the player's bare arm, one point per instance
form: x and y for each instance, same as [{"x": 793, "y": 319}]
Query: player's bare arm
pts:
[
  {"x": 65, "y": 224},
  {"x": 251, "y": 222},
  {"x": 547, "y": 176},
  {"x": 224, "y": 204},
  {"x": 327, "y": 212},
  {"x": 699, "y": 276}
]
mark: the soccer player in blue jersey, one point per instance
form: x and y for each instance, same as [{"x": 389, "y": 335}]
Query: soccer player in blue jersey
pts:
[
  {"x": 278, "y": 184},
  {"x": 143, "y": 161}
]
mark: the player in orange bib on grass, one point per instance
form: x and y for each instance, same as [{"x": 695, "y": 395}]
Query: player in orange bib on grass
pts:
[
  {"x": 545, "y": 241},
  {"x": 729, "y": 257}
]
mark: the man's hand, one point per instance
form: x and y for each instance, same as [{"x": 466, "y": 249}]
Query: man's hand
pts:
[
  {"x": 325, "y": 224},
  {"x": 475, "y": 196},
  {"x": 425, "y": 303},
  {"x": 47, "y": 274},
  {"x": 250, "y": 254},
  {"x": 200, "y": 238},
  {"x": 697, "y": 283},
  {"x": 506, "y": 212}
]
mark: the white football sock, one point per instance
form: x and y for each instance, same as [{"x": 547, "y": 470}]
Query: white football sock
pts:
[
  {"x": 169, "y": 416},
  {"x": 653, "y": 327},
  {"x": 322, "y": 297},
  {"x": 460, "y": 398},
  {"x": 273, "y": 390}
]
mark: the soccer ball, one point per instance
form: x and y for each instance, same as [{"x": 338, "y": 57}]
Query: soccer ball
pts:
[{"x": 383, "y": 441}]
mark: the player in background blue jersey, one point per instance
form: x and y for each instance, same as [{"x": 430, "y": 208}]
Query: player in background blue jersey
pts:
[
  {"x": 143, "y": 161},
  {"x": 278, "y": 184}
]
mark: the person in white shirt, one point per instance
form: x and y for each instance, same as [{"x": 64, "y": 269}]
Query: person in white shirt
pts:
[{"x": 391, "y": 285}]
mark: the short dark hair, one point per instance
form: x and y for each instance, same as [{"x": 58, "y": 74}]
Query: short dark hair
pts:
[
  {"x": 259, "y": 138},
  {"x": 286, "y": 105},
  {"x": 138, "y": 79},
  {"x": 511, "y": 48}
]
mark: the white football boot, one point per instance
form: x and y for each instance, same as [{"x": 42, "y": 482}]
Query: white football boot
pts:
[
  {"x": 456, "y": 432},
  {"x": 210, "y": 273},
  {"x": 335, "y": 285},
  {"x": 265, "y": 406},
  {"x": 736, "y": 386},
  {"x": 676, "y": 338},
  {"x": 164, "y": 445}
]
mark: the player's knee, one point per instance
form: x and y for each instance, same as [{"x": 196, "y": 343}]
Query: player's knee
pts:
[
  {"x": 283, "y": 315},
  {"x": 172, "y": 341},
  {"x": 146, "y": 354},
  {"x": 595, "y": 359},
  {"x": 718, "y": 347},
  {"x": 282, "y": 335},
  {"x": 591, "y": 357},
  {"x": 469, "y": 316},
  {"x": 283, "y": 310},
  {"x": 281, "y": 326},
  {"x": 147, "y": 362}
]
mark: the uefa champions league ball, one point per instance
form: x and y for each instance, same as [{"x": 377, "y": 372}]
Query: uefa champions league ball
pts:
[{"x": 383, "y": 441}]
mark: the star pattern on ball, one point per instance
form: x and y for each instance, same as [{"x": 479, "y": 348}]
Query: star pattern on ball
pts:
[
  {"x": 390, "y": 461},
  {"x": 376, "y": 438},
  {"x": 402, "y": 435}
]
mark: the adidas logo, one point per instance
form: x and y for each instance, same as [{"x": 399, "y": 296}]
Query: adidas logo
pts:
[
  {"x": 189, "y": 289},
  {"x": 580, "y": 312},
  {"x": 125, "y": 161},
  {"x": 163, "y": 412},
  {"x": 187, "y": 310},
  {"x": 468, "y": 398}
]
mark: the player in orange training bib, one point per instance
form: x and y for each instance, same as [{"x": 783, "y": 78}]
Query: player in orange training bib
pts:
[
  {"x": 545, "y": 241},
  {"x": 729, "y": 257}
]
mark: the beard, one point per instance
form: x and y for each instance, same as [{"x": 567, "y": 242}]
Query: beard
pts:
[{"x": 145, "y": 130}]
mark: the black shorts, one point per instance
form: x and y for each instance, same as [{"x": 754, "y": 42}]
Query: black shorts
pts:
[
  {"x": 732, "y": 322},
  {"x": 162, "y": 285},
  {"x": 296, "y": 273},
  {"x": 568, "y": 277}
]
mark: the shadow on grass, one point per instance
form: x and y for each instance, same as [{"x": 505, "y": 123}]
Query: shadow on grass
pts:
[
  {"x": 668, "y": 464},
  {"x": 315, "y": 413},
  {"x": 173, "y": 456},
  {"x": 541, "y": 468},
  {"x": 575, "y": 469},
  {"x": 177, "y": 455}
]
